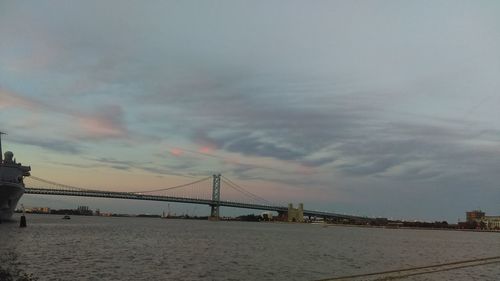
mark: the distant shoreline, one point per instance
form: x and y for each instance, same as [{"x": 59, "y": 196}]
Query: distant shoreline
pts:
[
  {"x": 406, "y": 227},
  {"x": 278, "y": 222}
]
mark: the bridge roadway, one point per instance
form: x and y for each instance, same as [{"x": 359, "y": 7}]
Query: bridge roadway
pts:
[{"x": 138, "y": 196}]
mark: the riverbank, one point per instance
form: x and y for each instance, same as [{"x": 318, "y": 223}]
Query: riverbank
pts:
[{"x": 405, "y": 227}]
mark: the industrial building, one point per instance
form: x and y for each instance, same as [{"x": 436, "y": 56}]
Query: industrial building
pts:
[{"x": 482, "y": 220}]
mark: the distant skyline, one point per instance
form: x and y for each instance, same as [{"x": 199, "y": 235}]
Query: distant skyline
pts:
[{"x": 378, "y": 108}]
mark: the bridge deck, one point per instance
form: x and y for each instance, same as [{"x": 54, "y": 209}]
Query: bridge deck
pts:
[{"x": 138, "y": 196}]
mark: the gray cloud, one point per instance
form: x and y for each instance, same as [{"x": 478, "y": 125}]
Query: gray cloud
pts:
[
  {"x": 317, "y": 162},
  {"x": 60, "y": 146}
]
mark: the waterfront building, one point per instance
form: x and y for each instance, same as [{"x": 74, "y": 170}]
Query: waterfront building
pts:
[
  {"x": 474, "y": 215},
  {"x": 492, "y": 222},
  {"x": 84, "y": 210},
  {"x": 267, "y": 216},
  {"x": 480, "y": 218},
  {"x": 39, "y": 210}
]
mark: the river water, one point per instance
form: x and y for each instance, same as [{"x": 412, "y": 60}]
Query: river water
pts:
[{"x": 106, "y": 248}]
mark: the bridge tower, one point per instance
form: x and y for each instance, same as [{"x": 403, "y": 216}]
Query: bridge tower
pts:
[
  {"x": 295, "y": 214},
  {"x": 214, "y": 213}
]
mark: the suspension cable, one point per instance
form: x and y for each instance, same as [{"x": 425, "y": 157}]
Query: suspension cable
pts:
[
  {"x": 244, "y": 191},
  {"x": 249, "y": 195},
  {"x": 56, "y": 184},
  {"x": 173, "y": 187},
  {"x": 85, "y": 189},
  {"x": 230, "y": 183}
]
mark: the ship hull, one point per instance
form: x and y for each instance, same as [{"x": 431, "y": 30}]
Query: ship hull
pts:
[{"x": 10, "y": 193}]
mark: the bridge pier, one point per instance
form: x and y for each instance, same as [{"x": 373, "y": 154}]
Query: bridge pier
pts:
[
  {"x": 292, "y": 214},
  {"x": 296, "y": 214},
  {"x": 215, "y": 206}
]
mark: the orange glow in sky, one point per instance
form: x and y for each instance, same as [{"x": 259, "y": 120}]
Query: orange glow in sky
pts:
[
  {"x": 176, "y": 152},
  {"x": 207, "y": 149}
]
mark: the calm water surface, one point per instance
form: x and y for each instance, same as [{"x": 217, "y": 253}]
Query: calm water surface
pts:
[{"x": 100, "y": 248}]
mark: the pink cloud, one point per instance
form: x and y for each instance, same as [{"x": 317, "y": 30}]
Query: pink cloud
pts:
[
  {"x": 176, "y": 152},
  {"x": 10, "y": 99},
  {"x": 107, "y": 123},
  {"x": 207, "y": 149},
  {"x": 205, "y": 144},
  {"x": 305, "y": 170}
]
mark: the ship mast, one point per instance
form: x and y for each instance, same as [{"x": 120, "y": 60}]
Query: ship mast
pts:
[{"x": 1, "y": 152}]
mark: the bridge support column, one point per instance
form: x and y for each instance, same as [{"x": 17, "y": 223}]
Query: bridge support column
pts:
[
  {"x": 214, "y": 212},
  {"x": 296, "y": 214}
]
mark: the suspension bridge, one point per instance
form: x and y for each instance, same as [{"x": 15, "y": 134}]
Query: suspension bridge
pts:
[{"x": 195, "y": 192}]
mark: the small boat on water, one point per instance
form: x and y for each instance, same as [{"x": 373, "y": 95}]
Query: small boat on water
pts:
[{"x": 66, "y": 218}]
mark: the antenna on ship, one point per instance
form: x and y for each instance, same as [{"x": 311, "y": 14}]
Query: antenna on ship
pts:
[{"x": 1, "y": 152}]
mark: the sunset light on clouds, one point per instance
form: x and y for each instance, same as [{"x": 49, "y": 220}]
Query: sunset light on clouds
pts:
[{"x": 328, "y": 103}]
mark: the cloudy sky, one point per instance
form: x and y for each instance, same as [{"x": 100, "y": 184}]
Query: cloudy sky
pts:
[{"x": 379, "y": 108}]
